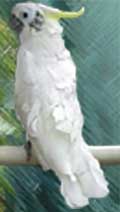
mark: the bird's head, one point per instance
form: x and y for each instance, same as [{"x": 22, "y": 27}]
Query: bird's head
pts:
[{"x": 35, "y": 15}]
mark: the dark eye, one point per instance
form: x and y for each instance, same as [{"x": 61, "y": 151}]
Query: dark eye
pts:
[
  {"x": 13, "y": 16},
  {"x": 37, "y": 13},
  {"x": 25, "y": 15}
]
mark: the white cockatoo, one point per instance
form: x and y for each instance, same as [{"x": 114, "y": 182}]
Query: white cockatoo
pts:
[{"x": 47, "y": 103}]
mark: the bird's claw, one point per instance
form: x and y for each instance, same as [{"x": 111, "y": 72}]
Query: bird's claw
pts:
[{"x": 28, "y": 148}]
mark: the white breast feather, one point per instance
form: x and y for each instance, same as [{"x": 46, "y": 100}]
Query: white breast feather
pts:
[{"x": 47, "y": 104}]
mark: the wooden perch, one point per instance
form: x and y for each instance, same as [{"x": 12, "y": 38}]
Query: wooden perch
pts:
[
  {"x": 16, "y": 155},
  {"x": 107, "y": 155}
]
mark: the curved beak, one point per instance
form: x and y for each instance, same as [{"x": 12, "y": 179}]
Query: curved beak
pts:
[{"x": 16, "y": 24}]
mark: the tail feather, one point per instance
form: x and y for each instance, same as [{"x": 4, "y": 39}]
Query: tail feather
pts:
[
  {"x": 89, "y": 181},
  {"x": 78, "y": 192},
  {"x": 72, "y": 192},
  {"x": 93, "y": 182},
  {"x": 93, "y": 185}
]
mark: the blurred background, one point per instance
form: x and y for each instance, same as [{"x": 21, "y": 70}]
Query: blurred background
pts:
[{"x": 94, "y": 42}]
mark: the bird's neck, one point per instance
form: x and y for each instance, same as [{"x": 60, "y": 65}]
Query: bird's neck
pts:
[
  {"x": 46, "y": 44},
  {"x": 49, "y": 29}
]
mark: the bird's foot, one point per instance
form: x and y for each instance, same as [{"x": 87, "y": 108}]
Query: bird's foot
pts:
[{"x": 28, "y": 148}]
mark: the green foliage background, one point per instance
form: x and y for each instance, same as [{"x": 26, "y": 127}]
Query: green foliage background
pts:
[{"x": 94, "y": 41}]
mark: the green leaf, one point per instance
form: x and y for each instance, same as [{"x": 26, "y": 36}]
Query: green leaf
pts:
[
  {"x": 5, "y": 127},
  {"x": 4, "y": 183}
]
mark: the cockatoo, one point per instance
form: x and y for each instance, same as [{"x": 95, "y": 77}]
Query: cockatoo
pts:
[{"x": 47, "y": 103}]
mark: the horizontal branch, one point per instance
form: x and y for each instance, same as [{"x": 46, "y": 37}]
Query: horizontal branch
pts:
[
  {"x": 107, "y": 155},
  {"x": 16, "y": 155}
]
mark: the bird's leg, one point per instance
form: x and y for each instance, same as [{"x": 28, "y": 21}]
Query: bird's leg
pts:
[{"x": 28, "y": 148}]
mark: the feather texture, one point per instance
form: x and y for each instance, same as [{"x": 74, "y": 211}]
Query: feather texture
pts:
[{"x": 47, "y": 105}]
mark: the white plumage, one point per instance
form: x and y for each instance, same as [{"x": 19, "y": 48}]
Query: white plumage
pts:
[{"x": 47, "y": 105}]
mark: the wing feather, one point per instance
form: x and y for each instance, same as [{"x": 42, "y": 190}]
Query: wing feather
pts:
[{"x": 26, "y": 91}]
